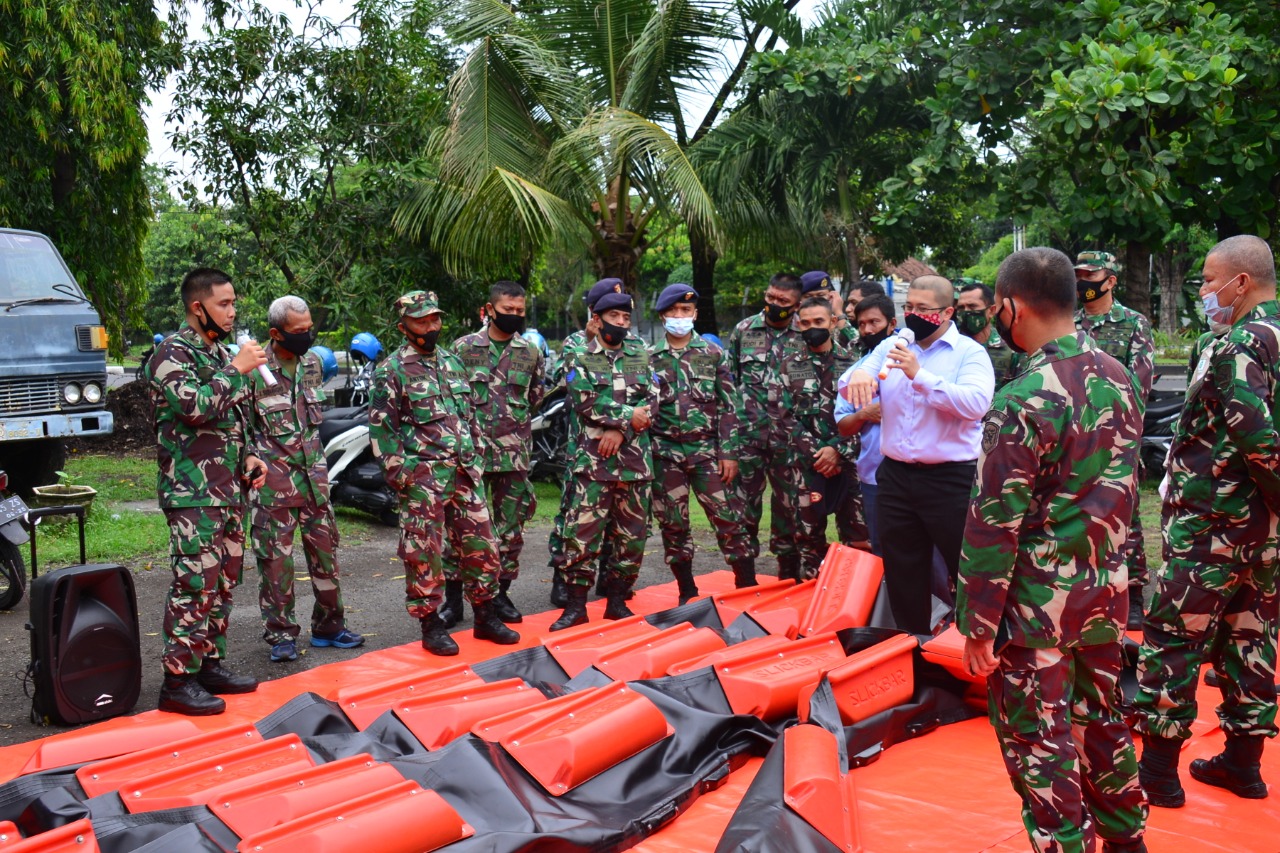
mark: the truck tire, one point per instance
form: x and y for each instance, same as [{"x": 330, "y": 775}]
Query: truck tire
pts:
[
  {"x": 32, "y": 463},
  {"x": 13, "y": 575}
]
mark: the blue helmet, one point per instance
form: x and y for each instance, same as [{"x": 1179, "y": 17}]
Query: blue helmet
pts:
[
  {"x": 328, "y": 362},
  {"x": 157, "y": 338},
  {"x": 713, "y": 338},
  {"x": 535, "y": 337},
  {"x": 367, "y": 345}
]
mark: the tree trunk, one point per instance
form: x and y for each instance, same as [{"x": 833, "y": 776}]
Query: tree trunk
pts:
[
  {"x": 1137, "y": 277},
  {"x": 852, "y": 260},
  {"x": 703, "y": 257},
  {"x": 1171, "y": 266}
]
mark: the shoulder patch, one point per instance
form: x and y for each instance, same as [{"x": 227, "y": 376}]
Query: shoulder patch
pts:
[{"x": 991, "y": 426}]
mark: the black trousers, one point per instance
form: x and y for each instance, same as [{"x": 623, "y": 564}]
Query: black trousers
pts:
[{"x": 920, "y": 507}]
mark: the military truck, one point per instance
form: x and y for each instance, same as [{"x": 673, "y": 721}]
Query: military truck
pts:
[{"x": 53, "y": 361}]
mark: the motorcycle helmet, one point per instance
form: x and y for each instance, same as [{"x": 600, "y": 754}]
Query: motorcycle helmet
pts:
[
  {"x": 328, "y": 362},
  {"x": 713, "y": 338},
  {"x": 535, "y": 337},
  {"x": 157, "y": 338},
  {"x": 365, "y": 345}
]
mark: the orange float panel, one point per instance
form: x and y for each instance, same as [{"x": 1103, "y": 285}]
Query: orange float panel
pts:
[
  {"x": 579, "y": 647},
  {"x": 730, "y": 605},
  {"x": 122, "y": 736},
  {"x": 573, "y": 738},
  {"x": 76, "y": 837},
  {"x": 401, "y": 819},
  {"x": 9, "y": 834},
  {"x": 767, "y": 683},
  {"x": 211, "y": 779},
  {"x": 814, "y": 788},
  {"x": 111, "y": 774},
  {"x": 257, "y": 807},
  {"x": 947, "y": 651},
  {"x": 367, "y": 702},
  {"x": 755, "y": 644},
  {"x": 649, "y": 657},
  {"x": 780, "y": 612},
  {"x": 848, "y": 584},
  {"x": 439, "y": 718},
  {"x": 870, "y": 681}
]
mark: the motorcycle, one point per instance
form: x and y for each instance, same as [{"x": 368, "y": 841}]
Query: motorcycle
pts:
[
  {"x": 365, "y": 351},
  {"x": 550, "y": 427},
  {"x": 13, "y": 572},
  {"x": 1163, "y": 410},
  {"x": 355, "y": 477}
]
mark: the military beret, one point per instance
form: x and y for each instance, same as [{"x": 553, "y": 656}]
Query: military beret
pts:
[
  {"x": 815, "y": 280},
  {"x": 613, "y": 302},
  {"x": 673, "y": 294},
  {"x": 1094, "y": 260},
  {"x": 600, "y": 288},
  {"x": 418, "y": 303}
]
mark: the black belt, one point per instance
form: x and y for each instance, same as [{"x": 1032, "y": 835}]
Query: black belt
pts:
[{"x": 931, "y": 464}]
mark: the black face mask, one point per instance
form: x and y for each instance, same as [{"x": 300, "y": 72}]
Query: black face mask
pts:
[
  {"x": 613, "y": 335},
  {"x": 972, "y": 323},
  {"x": 508, "y": 324},
  {"x": 921, "y": 327},
  {"x": 1006, "y": 331},
  {"x": 873, "y": 340},
  {"x": 211, "y": 328},
  {"x": 776, "y": 314},
  {"x": 1091, "y": 291},
  {"x": 297, "y": 342},
  {"x": 816, "y": 337},
  {"x": 426, "y": 343}
]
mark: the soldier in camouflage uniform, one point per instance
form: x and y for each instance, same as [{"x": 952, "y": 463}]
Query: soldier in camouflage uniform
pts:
[
  {"x": 822, "y": 464},
  {"x": 295, "y": 497},
  {"x": 505, "y": 372},
  {"x": 1042, "y": 567},
  {"x": 1125, "y": 335},
  {"x": 611, "y": 388},
  {"x": 200, "y": 394},
  {"x": 1216, "y": 596},
  {"x": 694, "y": 436},
  {"x": 818, "y": 283},
  {"x": 755, "y": 348},
  {"x": 425, "y": 436},
  {"x": 974, "y": 309}
]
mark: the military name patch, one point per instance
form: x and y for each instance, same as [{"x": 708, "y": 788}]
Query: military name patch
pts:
[
  {"x": 991, "y": 426},
  {"x": 523, "y": 359},
  {"x": 755, "y": 341}
]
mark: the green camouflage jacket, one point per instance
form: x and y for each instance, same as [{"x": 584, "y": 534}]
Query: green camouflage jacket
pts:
[
  {"x": 1125, "y": 335},
  {"x": 1057, "y": 480},
  {"x": 201, "y": 410},
  {"x": 506, "y": 385},
  {"x": 804, "y": 410},
  {"x": 605, "y": 387},
  {"x": 1004, "y": 361},
  {"x": 697, "y": 400},
  {"x": 755, "y": 350},
  {"x": 1223, "y": 499},
  {"x": 420, "y": 419},
  {"x": 285, "y": 426}
]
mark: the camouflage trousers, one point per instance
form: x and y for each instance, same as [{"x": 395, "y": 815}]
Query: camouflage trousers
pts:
[
  {"x": 511, "y": 505},
  {"x": 1135, "y": 551},
  {"x": 699, "y": 472},
  {"x": 273, "y": 529},
  {"x": 206, "y": 547},
  {"x": 606, "y": 510},
  {"x": 426, "y": 512},
  {"x": 760, "y": 461},
  {"x": 1066, "y": 745},
  {"x": 811, "y": 533},
  {"x": 556, "y": 539},
  {"x": 1225, "y": 614}
]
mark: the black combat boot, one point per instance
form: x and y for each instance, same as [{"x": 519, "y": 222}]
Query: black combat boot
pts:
[
  {"x": 744, "y": 573},
  {"x": 789, "y": 567},
  {"x": 575, "y": 611},
  {"x": 684, "y": 582},
  {"x": 1136, "y": 614},
  {"x": 450, "y": 611},
  {"x": 1238, "y": 768},
  {"x": 616, "y": 599},
  {"x": 182, "y": 694},
  {"x": 1138, "y": 846},
  {"x": 504, "y": 606},
  {"x": 488, "y": 625},
  {"x": 435, "y": 636},
  {"x": 1158, "y": 772},
  {"x": 559, "y": 597},
  {"x": 216, "y": 678}
]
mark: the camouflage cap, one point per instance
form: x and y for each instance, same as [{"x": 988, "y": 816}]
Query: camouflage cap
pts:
[
  {"x": 1094, "y": 260},
  {"x": 418, "y": 303}
]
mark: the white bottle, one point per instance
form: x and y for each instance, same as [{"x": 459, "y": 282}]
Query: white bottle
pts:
[
  {"x": 902, "y": 339},
  {"x": 243, "y": 337}
]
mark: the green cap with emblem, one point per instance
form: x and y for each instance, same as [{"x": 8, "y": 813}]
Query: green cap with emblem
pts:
[
  {"x": 418, "y": 303},
  {"x": 1094, "y": 260}
]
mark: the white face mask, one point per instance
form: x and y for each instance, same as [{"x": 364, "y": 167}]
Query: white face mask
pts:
[{"x": 678, "y": 327}]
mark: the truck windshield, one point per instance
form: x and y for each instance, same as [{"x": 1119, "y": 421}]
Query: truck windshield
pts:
[{"x": 29, "y": 269}]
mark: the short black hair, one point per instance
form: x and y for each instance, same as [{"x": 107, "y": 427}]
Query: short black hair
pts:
[
  {"x": 1040, "y": 277},
  {"x": 199, "y": 283},
  {"x": 868, "y": 287},
  {"x": 786, "y": 281},
  {"x": 505, "y": 288},
  {"x": 988, "y": 295},
  {"x": 878, "y": 300},
  {"x": 816, "y": 302}
]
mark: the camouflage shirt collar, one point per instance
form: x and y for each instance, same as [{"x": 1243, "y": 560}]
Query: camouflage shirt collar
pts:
[
  {"x": 1067, "y": 346},
  {"x": 1262, "y": 310},
  {"x": 198, "y": 341},
  {"x": 1117, "y": 314},
  {"x": 695, "y": 342}
]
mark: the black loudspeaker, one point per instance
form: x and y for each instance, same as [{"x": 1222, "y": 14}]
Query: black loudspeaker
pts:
[{"x": 86, "y": 658}]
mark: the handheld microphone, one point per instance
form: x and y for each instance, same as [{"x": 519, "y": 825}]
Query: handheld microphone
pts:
[
  {"x": 902, "y": 339},
  {"x": 243, "y": 337}
]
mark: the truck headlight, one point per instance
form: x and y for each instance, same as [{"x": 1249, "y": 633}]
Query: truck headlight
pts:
[
  {"x": 71, "y": 393},
  {"x": 92, "y": 393}
]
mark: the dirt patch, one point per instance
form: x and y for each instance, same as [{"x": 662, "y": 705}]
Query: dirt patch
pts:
[{"x": 134, "y": 431}]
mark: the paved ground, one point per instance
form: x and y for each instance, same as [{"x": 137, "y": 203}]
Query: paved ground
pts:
[{"x": 373, "y": 585}]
